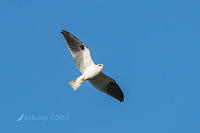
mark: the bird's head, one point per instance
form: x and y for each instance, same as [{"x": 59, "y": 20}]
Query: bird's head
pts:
[{"x": 100, "y": 66}]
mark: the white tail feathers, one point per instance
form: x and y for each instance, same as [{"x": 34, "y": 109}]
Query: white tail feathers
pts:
[{"x": 77, "y": 82}]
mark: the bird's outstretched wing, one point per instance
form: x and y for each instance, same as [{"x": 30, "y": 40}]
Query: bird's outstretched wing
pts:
[
  {"x": 79, "y": 51},
  {"x": 107, "y": 85}
]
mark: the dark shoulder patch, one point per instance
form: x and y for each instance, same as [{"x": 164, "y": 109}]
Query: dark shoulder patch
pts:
[
  {"x": 112, "y": 83},
  {"x": 82, "y": 47}
]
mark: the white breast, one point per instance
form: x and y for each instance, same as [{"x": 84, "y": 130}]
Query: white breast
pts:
[{"x": 91, "y": 72}]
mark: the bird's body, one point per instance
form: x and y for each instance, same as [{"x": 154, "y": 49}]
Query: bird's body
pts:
[{"x": 90, "y": 71}]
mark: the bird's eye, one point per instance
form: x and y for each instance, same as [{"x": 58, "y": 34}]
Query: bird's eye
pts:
[{"x": 100, "y": 65}]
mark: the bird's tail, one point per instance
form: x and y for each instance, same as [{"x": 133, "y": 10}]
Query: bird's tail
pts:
[{"x": 77, "y": 82}]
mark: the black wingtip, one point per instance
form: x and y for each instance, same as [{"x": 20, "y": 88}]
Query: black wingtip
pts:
[
  {"x": 67, "y": 34},
  {"x": 121, "y": 100},
  {"x": 64, "y": 32},
  {"x": 115, "y": 91},
  {"x": 119, "y": 97}
]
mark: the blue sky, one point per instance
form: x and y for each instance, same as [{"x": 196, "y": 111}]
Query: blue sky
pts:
[{"x": 151, "y": 48}]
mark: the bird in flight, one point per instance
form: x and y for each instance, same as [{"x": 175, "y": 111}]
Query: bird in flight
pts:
[{"x": 90, "y": 71}]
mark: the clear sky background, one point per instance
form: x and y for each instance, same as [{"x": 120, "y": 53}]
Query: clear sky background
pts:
[{"x": 150, "y": 47}]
